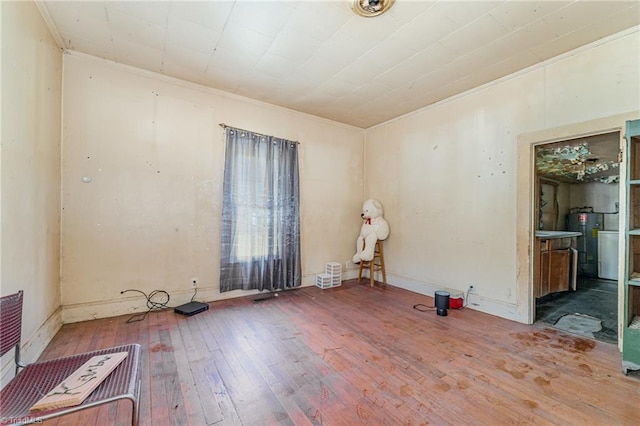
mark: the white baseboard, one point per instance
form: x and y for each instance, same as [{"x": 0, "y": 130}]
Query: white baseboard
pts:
[
  {"x": 476, "y": 302},
  {"x": 135, "y": 303},
  {"x": 32, "y": 347}
]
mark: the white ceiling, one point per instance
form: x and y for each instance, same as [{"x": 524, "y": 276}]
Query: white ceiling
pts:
[{"x": 320, "y": 58}]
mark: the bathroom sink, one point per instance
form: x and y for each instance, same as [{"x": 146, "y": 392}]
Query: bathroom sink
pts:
[{"x": 546, "y": 235}]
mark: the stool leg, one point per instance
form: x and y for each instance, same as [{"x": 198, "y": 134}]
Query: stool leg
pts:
[
  {"x": 384, "y": 271},
  {"x": 360, "y": 271},
  {"x": 371, "y": 272}
]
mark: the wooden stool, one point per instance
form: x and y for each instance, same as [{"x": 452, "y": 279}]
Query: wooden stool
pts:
[{"x": 376, "y": 264}]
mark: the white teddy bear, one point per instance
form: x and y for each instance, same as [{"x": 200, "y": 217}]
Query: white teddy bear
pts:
[{"x": 374, "y": 228}]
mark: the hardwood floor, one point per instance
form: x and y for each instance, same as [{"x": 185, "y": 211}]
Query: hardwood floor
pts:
[{"x": 356, "y": 355}]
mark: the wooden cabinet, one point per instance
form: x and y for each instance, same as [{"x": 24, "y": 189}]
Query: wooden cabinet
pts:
[
  {"x": 631, "y": 304},
  {"x": 554, "y": 275},
  {"x": 555, "y": 265}
]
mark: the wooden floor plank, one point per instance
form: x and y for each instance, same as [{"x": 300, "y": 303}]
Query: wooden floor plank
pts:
[{"x": 356, "y": 355}]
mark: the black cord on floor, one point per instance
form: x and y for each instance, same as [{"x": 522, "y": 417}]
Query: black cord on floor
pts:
[
  {"x": 421, "y": 307},
  {"x": 153, "y": 305}
]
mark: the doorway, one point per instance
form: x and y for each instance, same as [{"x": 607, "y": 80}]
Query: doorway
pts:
[{"x": 577, "y": 198}]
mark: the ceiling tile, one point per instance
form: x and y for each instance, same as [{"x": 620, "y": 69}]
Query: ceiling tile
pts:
[
  {"x": 319, "y": 68},
  {"x": 294, "y": 45},
  {"x": 87, "y": 21},
  {"x": 424, "y": 62},
  {"x": 244, "y": 41},
  {"x": 221, "y": 78},
  {"x": 577, "y": 14},
  {"x": 154, "y": 12},
  {"x": 341, "y": 51},
  {"x": 621, "y": 20},
  {"x": 428, "y": 28},
  {"x": 516, "y": 62},
  {"x": 464, "y": 12},
  {"x": 191, "y": 36},
  {"x": 275, "y": 66},
  {"x": 564, "y": 43},
  {"x": 470, "y": 63},
  {"x": 534, "y": 34},
  {"x": 188, "y": 58},
  {"x": 427, "y": 82},
  {"x": 256, "y": 85},
  {"x": 503, "y": 47},
  {"x": 360, "y": 71},
  {"x": 135, "y": 30},
  {"x": 229, "y": 60},
  {"x": 515, "y": 14},
  {"x": 474, "y": 35},
  {"x": 138, "y": 55},
  {"x": 212, "y": 15},
  {"x": 264, "y": 17},
  {"x": 181, "y": 70},
  {"x": 364, "y": 34},
  {"x": 387, "y": 101},
  {"x": 372, "y": 90},
  {"x": 403, "y": 11},
  {"x": 387, "y": 54},
  {"x": 295, "y": 83},
  {"x": 350, "y": 101},
  {"x": 319, "y": 20},
  {"x": 335, "y": 87}
]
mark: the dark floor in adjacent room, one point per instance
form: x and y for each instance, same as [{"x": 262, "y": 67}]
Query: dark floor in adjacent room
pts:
[{"x": 594, "y": 297}]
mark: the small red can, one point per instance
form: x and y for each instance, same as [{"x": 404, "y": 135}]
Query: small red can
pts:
[{"x": 456, "y": 302}]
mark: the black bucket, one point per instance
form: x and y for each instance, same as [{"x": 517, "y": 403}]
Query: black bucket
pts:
[{"x": 442, "y": 303}]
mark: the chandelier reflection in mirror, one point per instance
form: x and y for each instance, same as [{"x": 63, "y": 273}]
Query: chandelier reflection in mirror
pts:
[{"x": 370, "y": 8}]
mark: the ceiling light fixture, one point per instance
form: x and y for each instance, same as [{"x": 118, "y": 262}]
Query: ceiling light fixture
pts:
[{"x": 371, "y": 8}]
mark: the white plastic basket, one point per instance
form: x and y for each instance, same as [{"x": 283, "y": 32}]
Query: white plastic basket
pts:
[
  {"x": 324, "y": 281},
  {"x": 334, "y": 269}
]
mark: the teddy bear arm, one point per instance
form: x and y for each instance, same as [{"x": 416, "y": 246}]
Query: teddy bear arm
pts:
[
  {"x": 383, "y": 230},
  {"x": 369, "y": 247}
]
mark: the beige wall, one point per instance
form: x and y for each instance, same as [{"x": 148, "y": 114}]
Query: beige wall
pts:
[
  {"x": 448, "y": 174},
  {"x": 602, "y": 197},
  {"x": 30, "y": 178},
  {"x": 150, "y": 217}
]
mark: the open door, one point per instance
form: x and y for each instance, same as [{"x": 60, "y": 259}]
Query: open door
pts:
[{"x": 631, "y": 303}]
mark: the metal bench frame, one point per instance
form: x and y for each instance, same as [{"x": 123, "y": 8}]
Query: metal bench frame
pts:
[{"x": 33, "y": 381}]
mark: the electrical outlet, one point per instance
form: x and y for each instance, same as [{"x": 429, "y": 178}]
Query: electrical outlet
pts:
[
  {"x": 194, "y": 282},
  {"x": 472, "y": 290}
]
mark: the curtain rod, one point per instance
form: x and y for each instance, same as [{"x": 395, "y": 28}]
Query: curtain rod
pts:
[{"x": 224, "y": 126}]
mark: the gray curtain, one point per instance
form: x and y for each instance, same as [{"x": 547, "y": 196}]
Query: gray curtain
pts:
[{"x": 260, "y": 213}]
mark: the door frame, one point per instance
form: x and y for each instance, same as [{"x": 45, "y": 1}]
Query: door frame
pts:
[{"x": 525, "y": 199}]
